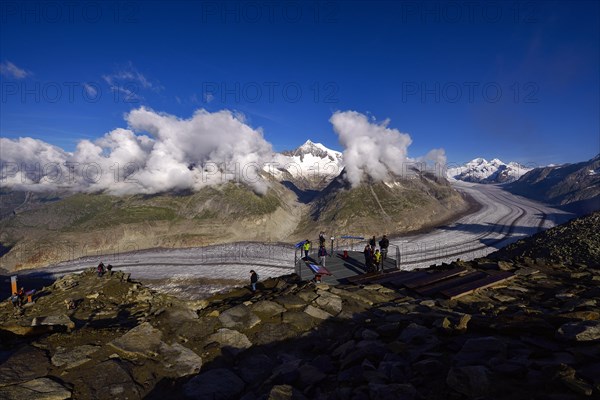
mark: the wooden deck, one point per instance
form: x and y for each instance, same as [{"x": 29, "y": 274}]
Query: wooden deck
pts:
[
  {"x": 344, "y": 270},
  {"x": 449, "y": 283}
]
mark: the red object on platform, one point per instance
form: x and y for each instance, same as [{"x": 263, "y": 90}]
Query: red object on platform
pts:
[{"x": 345, "y": 254}]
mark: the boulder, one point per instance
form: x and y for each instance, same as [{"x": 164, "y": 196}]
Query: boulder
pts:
[
  {"x": 216, "y": 384},
  {"x": 106, "y": 380},
  {"x": 329, "y": 302},
  {"x": 299, "y": 320},
  {"x": 239, "y": 318},
  {"x": 395, "y": 391},
  {"x": 179, "y": 360},
  {"x": 25, "y": 364},
  {"x": 144, "y": 340},
  {"x": 38, "y": 389},
  {"x": 473, "y": 381},
  {"x": 267, "y": 309},
  {"x": 317, "y": 312},
  {"x": 479, "y": 351},
  {"x": 71, "y": 358},
  {"x": 285, "y": 392},
  {"x": 583, "y": 331},
  {"x": 54, "y": 321},
  {"x": 233, "y": 340}
]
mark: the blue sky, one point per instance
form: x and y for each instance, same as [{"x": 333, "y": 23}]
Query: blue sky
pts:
[{"x": 517, "y": 81}]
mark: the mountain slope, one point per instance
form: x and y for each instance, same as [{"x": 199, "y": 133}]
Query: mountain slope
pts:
[
  {"x": 574, "y": 186},
  {"x": 482, "y": 171},
  {"x": 399, "y": 205},
  {"x": 76, "y": 225}
]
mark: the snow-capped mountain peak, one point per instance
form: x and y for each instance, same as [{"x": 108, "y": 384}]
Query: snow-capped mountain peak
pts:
[
  {"x": 483, "y": 171},
  {"x": 315, "y": 149},
  {"x": 312, "y": 162}
]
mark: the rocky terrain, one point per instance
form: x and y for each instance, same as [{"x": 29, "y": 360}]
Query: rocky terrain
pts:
[
  {"x": 574, "y": 187},
  {"x": 536, "y": 336}
]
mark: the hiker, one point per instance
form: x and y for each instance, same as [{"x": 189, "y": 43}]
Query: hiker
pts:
[
  {"x": 109, "y": 269},
  {"x": 100, "y": 269},
  {"x": 368, "y": 258},
  {"x": 322, "y": 255},
  {"x": 14, "y": 299},
  {"x": 372, "y": 243},
  {"x": 253, "y": 279},
  {"x": 322, "y": 239},
  {"x": 306, "y": 247},
  {"x": 377, "y": 258},
  {"x": 21, "y": 296},
  {"x": 384, "y": 243}
]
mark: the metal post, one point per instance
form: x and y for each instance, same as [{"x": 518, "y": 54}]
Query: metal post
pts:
[
  {"x": 398, "y": 255},
  {"x": 331, "y": 253}
]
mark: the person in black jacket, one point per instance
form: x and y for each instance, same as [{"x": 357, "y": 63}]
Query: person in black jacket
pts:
[
  {"x": 384, "y": 243},
  {"x": 253, "y": 279}
]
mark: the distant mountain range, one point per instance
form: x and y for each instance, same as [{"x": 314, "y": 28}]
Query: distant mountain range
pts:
[
  {"x": 574, "y": 187},
  {"x": 480, "y": 170}
]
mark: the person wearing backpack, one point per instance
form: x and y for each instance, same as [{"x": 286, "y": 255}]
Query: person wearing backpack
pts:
[
  {"x": 253, "y": 279},
  {"x": 322, "y": 255},
  {"x": 384, "y": 243},
  {"x": 100, "y": 269}
]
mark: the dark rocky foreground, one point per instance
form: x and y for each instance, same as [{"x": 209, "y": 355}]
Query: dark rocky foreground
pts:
[{"x": 536, "y": 337}]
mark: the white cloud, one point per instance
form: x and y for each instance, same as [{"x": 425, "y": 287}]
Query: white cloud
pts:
[
  {"x": 90, "y": 90},
  {"x": 206, "y": 149},
  {"x": 373, "y": 149},
  {"x": 10, "y": 70},
  {"x": 129, "y": 82}
]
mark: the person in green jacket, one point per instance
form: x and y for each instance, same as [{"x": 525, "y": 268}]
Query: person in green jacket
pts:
[
  {"x": 377, "y": 258},
  {"x": 306, "y": 247}
]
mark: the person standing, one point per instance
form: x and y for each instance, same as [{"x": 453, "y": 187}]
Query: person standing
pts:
[
  {"x": 322, "y": 238},
  {"x": 377, "y": 257},
  {"x": 372, "y": 243},
  {"x": 322, "y": 255},
  {"x": 306, "y": 247},
  {"x": 384, "y": 243},
  {"x": 253, "y": 279},
  {"x": 368, "y": 258}
]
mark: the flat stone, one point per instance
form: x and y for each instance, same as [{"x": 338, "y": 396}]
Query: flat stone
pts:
[
  {"x": 71, "y": 358},
  {"x": 291, "y": 302},
  {"x": 317, "y": 312},
  {"x": 300, "y": 320},
  {"x": 36, "y": 389},
  {"x": 179, "y": 360},
  {"x": 239, "y": 318},
  {"x": 234, "y": 340},
  {"x": 54, "y": 320},
  {"x": 111, "y": 380},
  {"x": 329, "y": 302},
  {"x": 216, "y": 384},
  {"x": 273, "y": 332},
  {"x": 143, "y": 340},
  {"x": 267, "y": 309}
]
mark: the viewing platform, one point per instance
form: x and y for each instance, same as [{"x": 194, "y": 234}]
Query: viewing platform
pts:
[{"x": 341, "y": 269}]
